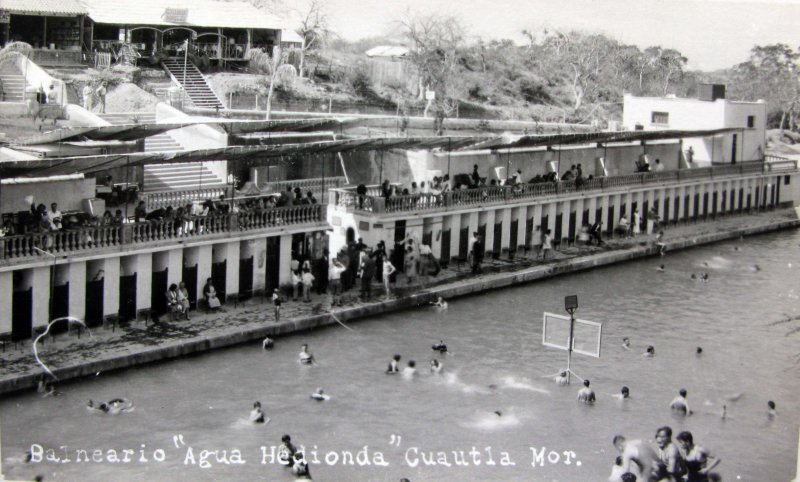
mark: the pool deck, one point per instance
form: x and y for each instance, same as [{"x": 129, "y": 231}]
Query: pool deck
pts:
[{"x": 79, "y": 354}]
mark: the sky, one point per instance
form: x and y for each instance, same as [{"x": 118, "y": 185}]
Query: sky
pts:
[{"x": 713, "y": 34}]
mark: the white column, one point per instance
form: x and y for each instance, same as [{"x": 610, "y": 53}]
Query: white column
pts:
[
  {"x": 473, "y": 223},
  {"x": 552, "y": 212},
  {"x": 6, "y": 300},
  {"x": 77, "y": 289},
  {"x": 436, "y": 228},
  {"x": 735, "y": 190},
  {"x": 604, "y": 214},
  {"x": 259, "y": 252},
  {"x": 520, "y": 215},
  {"x": 285, "y": 271},
  {"x": 487, "y": 218},
  {"x": 40, "y": 281},
  {"x": 592, "y": 210},
  {"x": 204, "y": 260},
  {"x": 228, "y": 252},
  {"x": 536, "y": 235},
  {"x": 579, "y": 208},
  {"x": 564, "y": 209},
  {"x": 144, "y": 280},
  {"x": 453, "y": 222}
]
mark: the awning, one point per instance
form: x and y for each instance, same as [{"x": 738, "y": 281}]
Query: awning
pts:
[
  {"x": 255, "y": 154},
  {"x": 54, "y": 8},
  {"x": 189, "y": 13},
  {"x": 132, "y": 132},
  {"x": 516, "y": 142}
]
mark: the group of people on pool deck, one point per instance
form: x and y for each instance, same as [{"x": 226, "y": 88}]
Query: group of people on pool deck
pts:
[{"x": 683, "y": 461}]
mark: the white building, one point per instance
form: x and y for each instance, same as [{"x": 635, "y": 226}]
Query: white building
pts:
[{"x": 710, "y": 111}]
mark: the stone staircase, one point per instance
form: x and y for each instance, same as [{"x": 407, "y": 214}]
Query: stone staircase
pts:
[
  {"x": 197, "y": 89},
  {"x": 13, "y": 83},
  {"x": 166, "y": 177}
]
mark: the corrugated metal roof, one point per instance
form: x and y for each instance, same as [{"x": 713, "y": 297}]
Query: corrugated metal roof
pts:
[
  {"x": 387, "y": 51},
  {"x": 67, "y": 8},
  {"x": 198, "y": 13}
]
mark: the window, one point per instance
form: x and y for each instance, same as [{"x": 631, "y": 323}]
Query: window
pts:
[
  {"x": 751, "y": 121},
  {"x": 787, "y": 180},
  {"x": 660, "y": 118}
]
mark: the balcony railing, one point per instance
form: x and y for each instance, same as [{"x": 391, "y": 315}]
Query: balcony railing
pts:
[
  {"x": 135, "y": 235},
  {"x": 372, "y": 202},
  {"x": 162, "y": 199},
  {"x": 315, "y": 185}
]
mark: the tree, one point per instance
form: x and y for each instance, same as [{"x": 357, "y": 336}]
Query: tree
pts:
[
  {"x": 671, "y": 63},
  {"x": 313, "y": 30},
  {"x": 437, "y": 43},
  {"x": 770, "y": 73},
  {"x": 276, "y": 69}
]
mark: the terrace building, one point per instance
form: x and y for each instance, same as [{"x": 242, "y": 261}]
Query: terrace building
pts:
[{"x": 121, "y": 271}]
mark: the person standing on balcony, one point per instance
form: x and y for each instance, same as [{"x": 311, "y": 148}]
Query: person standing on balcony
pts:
[
  {"x": 54, "y": 217},
  {"x": 386, "y": 189},
  {"x": 475, "y": 177},
  {"x": 361, "y": 190},
  {"x": 140, "y": 213}
]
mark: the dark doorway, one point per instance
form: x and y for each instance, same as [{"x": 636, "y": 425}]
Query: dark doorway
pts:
[
  {"x": 733, "y": 148},
  {"x": 218, "y": 279},
  {"x": 273, "y": 271},
  {"x": 571, "y": 229},
  {"x": 399, "y": 231},
  {"x": 245, "y": 278},
  {"x": 445, "y": 257},
  {"x": 544, "y": 226},
  {"x": 350, "y": 236},
  {"x": 190, "y": 280},
  {"x": 463, "y": 243},
  {"x": 59, "y": 306},
  {"x": 557, "y": 234},
  {"x": 127, "y": 297},
  {"x": 497, "y": 246},
  {"x": 529, "y": 233},
  {"x": 158, "y": 295},
  {"x": 22, "y": 314},
  {"x": 696, "y": 205},
  {"x": 610, "y": 220},
  {"x": 94, "y": 302}
]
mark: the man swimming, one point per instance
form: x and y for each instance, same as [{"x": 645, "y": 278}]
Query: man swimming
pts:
[
  {"x": 410, "y": 370},
  {"x": 561, "y": 379},
  {"x": 626, "y": 343},
  {"x": 256, "y": 415},
  {"x": 306, "y": 358},
  {"x": 320, "y": 395},
  {"x": 436, "y": 367},
  {"x": 699, "y": 461},
  {"x": 440, "y": 347},
  {"x": 440, "y": 303},
  {"x": 679, "y": 403},
  {"x": 586, "y": 394},
  {"x": 393, "y": 368},
  {"x": 268, "y": 343},
  {"x": 649, "y": 352}
]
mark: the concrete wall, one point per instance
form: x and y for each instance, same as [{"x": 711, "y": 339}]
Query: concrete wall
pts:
[
  {"x": 683, "y": 113},
  {"x": 69, "y": 194},
  {"x": 751, "y": 141}
]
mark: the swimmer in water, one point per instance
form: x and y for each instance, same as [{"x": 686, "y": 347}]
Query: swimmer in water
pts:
[
  {"x": 704, "y": 278},
  {"x": 679, "y": 403},
  {"x": 562, "y": 379},
  {"x": 693, "y": 277},
  {"x": 410, "y": 370},
  {"x": 268, "y": 343},
  {"x": 114, "y": 406},
  {"x": 306, "y": 358},
  {"x": 498, "y": 413},
  {"x": 626, "y": 343},
  {"x": 699, "y": 350},
  {"x": 586, "y": 394},
  {"x": 724, "y": 412},
  {"x": 320, "y": 395},
  {"x": 771, "y": 409},
  {"x": 300, "y": 467},
  {"x": 393, "y": 368},
  {"x": 756, "y": 267},
  {"x": 624, "y": 393},
  {"x": 256, "y": 415},
  {"x": 436, "y": 367},
  {"x": 440, "y": 347},
  {"x": 649, "y": 352},
  {"x": 286, "y": 451},
  {"x": 440, "y": 303},
  {"x": 660, "y": 268}
]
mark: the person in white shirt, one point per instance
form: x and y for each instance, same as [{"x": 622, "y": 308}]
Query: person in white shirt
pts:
[
  {"x": 388, "y": 270},
  {"x": 308, "y": 281},
  {"x": 54, "y": 217},
  {"x": 335, "y": 282}
]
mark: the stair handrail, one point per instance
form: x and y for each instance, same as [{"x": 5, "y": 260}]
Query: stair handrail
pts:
[{"x": 182, "y": 86}]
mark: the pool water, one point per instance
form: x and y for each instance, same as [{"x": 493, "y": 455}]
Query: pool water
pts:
[{"x": 443, "y": 427}]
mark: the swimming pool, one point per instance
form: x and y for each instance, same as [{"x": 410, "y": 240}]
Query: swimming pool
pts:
[{"x": 378, "y": 427}]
